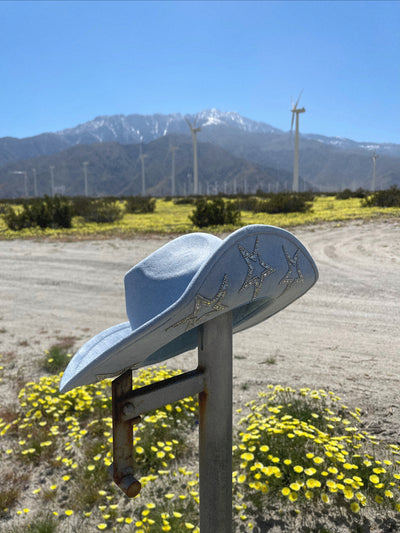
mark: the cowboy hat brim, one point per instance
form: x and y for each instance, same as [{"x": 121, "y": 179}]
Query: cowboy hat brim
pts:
[{"x": 255, "y": 272}]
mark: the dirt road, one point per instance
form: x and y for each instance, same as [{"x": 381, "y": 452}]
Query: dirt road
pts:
[{"x": 344, "y": 335}]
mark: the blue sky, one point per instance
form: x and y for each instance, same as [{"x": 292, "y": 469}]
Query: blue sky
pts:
[{"x": 63, "y": 63}]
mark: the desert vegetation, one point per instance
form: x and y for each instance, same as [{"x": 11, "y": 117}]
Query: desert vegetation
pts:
[
  {"x": 81, "y": 217},
  {"x": 291, "y": 448}
]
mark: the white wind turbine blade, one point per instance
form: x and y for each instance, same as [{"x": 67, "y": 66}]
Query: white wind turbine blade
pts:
[{"x": 298, "y": 99}]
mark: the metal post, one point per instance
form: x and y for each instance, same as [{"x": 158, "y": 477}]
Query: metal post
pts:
[
  {"x": 212, "y": 380},
  {"x": 173, "y": 150},
  {"x": 85, "y": 164},
  {"x": 52, "y": 180},
  {"x": 35, "y": 189},
  {"x": 215, "y": 440}
]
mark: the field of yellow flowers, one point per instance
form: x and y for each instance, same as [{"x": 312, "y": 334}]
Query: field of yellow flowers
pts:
[
  {"x": 171, "y": 218},
  {"x": 298, "y": 455}
]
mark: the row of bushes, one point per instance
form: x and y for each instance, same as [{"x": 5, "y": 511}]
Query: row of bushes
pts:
[
  {"x": 47, "y": 212},
  {"x": 58, "y": 211},
  {"x": 348, "y": 193},
  {"x": 277, "y": 203},
  {"x": 217, "y": 212},
  {"x": 387, "y": 198},
  {"x": 95, "y": 209}
]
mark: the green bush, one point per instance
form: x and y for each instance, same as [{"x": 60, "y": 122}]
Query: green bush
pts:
[
  {"x": 15, "y": 221},
  {"x": 184, "y": 200},
  {"x": 81, "y": 205},
  {"x": 387, "y": 198},
  {"x": 348, "y": 193},
  {"x": 284, "y": 203},
  {"x": 214, "y": 213},
  {"x": 60, "y": 210},
  {"x": 140, "y": 204},
  {"x": 103, "y": 210},
  {"x": 44, "y": 212},
  {"x": 248, "y": 203}
]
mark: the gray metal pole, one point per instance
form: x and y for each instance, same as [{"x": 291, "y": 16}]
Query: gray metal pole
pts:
[
  {"x": 215, "y": 441},
  {"x": 35, "y": 189},
  {"x": 52, "y": 180},
  {"x": 85, "y": 164}
]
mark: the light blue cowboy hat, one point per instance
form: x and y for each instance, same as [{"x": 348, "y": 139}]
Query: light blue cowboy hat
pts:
[{"x": 255, "y": 272}]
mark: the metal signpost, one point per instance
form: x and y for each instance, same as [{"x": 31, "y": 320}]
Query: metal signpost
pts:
[{"x": 212, "y": 380}]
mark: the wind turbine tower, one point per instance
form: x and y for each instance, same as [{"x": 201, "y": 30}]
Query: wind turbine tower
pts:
[
  {"x": 35, "y": 189},
  {"x": 52, "y": 179},
  {"x": 374, "y": 158},
  {"x": 85, "y": 164},
  {"x": 194, "y": 132},
  {"x": 173, "y": 149},
  {"x": 25, "y": 174},
  {"x": 296, "y": 112},
  {"x": 142, "y": 157}
]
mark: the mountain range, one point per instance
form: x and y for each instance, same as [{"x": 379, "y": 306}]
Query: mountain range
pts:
[{"x": 234, "y": 153}]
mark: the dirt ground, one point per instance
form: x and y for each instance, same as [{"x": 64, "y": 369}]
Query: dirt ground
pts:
[{"x": 343, "y": 335}]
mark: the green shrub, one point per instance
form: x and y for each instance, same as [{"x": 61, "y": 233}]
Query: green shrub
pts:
[
  {"x": 184, "y": 200},
  {"x": 140, "y": 204},
  {"x": 248, "y": 203},
  {"x": 387, "y": 198},
  {"x": 57, "y": 358},
  {"x": 348, "y": 193},
  {"x": 103, "y": 210},
  {"x": 81, "y": 205},
  {"x": 15, "y": 221},
  {"x": 214, "y": 213},
  {"x": 3, "y": 207},
  {"x": 284, "y": 203},
  {"x": 44, "y": 212},
  {"x": 60, "y": 211}
]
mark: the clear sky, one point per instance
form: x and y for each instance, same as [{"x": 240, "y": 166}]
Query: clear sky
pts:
[{"x": 63, "y": 63}]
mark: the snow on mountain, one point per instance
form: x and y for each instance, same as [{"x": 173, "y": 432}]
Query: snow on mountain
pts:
[
  {"x": 348, "y": 144},
  {"x": 136, "y": 128},
  {"x": 215, "y": 117}
]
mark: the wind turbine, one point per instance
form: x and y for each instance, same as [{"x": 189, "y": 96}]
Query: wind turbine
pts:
[
  {"x": 35, "y": 190},
  {"x": 52, "y": 179},
  {"x": 173, "y": 149},
  {"x": 142, "y": 157},
  {"x": 194, "y": 132},
  {"x": 25, "y": 174},
  {"x": 85, "y": 164},
  {"x": 374, "y": 158},
  {"x": 296, "y": 112}
]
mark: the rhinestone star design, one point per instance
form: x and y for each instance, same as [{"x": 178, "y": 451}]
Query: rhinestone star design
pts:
[
  {"x": 294, "y": 274},
  {"x": 257, "y": 271},
  {"x": 203, "y": 306}
]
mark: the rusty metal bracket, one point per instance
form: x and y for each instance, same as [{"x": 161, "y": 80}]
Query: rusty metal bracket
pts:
[
  {"x": 212, "y": 380},
  {"x": 129, "y": 404}
]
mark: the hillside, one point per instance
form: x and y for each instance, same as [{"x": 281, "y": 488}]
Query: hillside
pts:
[
  {"x": 115, "y": 169},
  {"x": 258, "y": 152}
]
